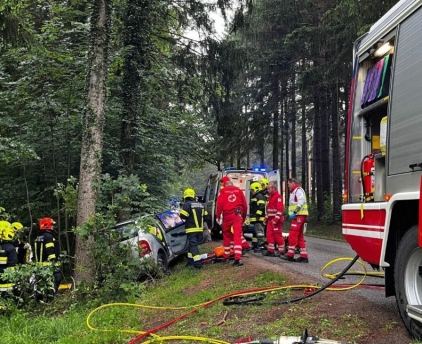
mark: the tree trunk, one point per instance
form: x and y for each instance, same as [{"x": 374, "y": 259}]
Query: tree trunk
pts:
[
  {"x": 337, "y": 180},
  {"x": 304, "y": 149},
  {"x": 276, "y": 95},
  {"x": 137, "y": 45},
  {"x": 318, "y": 162},
  {"x": 92, "y": 135},
  {"x": 325, "y": 145},
  {"x": 293, "y": 131}
]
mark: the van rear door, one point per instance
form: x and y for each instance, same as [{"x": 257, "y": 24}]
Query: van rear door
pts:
[
  {"x": 210, "y": 198},
  {"x": 274, "y": 176}
]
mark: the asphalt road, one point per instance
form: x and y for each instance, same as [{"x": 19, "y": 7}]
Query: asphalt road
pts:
[{"x": 321, "y": 252}]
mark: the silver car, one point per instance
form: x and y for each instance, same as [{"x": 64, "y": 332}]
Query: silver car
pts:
[{"x": 160, "y": 237}]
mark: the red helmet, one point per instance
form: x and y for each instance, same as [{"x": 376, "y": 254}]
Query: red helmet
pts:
[
  {"x": 47, "y": 223},
  {"x": 224, "y": 180}
]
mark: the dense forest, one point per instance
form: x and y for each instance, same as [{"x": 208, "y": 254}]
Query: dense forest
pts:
[{"x": 110, "y": 105}]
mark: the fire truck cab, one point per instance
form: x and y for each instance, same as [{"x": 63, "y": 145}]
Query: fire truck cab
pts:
[
  {"x": 240, "y": 178},
  {"x": 382, "y": 209}
]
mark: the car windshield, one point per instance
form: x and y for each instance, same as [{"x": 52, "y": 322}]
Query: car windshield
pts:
[{"x": 170, "y": 219}]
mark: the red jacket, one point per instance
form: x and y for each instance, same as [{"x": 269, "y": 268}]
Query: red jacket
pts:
[
  {"x": 275, "y": 208},
  {"x": 231, "y": 198}
]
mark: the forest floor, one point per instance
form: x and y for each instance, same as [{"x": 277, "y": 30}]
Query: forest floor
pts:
[{"x": 343, "y": 316}]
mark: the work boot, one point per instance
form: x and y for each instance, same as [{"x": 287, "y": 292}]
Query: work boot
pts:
[
  {"x": 257, "y": 249},
  {"x": 302, "y": 260},
  {"x": 189, "y": 262},
  {"x": 238, "y": 263},
  {"x": 288, "y": 258},
  {"x": 268, "y": 254},
  {"x": 197, "y": 265}
]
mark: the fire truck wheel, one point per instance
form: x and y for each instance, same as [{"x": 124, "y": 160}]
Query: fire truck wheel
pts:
[{"x": 408, "y": 281}]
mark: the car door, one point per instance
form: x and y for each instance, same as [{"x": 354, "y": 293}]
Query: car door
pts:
[
  {"x": 210, "y": 198},
  {"x": 174, "y": 231}
]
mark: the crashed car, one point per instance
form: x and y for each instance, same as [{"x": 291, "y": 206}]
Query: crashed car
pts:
[{"x": 160, "y": 237}]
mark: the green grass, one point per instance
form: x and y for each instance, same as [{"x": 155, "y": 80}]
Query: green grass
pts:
[
  {"x": 325, "y": 231},
  {"x": 64, "y": 321},
  {"x": 185, "y": 288}
]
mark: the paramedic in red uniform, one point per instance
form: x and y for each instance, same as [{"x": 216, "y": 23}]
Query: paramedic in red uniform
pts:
[
  {"x": 274, "y": 220},
  {"x": 231, "y": 203},
  {"x": 245, "y": 245},
  {"x": 298, "y": 213}
]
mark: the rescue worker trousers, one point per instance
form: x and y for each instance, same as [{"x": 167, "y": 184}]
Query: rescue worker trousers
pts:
[
  {"x": 258, "y": 235},
  {"x": 296, "y": 237},
  {"x": 232, "y": 233},
  {"x": 193, "y": 239},
  {"x": 275, "y": 236}
]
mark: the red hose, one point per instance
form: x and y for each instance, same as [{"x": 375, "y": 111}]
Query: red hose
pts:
[{"x": 156, "y": 329}]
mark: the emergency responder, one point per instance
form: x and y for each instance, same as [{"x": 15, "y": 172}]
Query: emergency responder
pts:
[
  {"x": 264, "y": 191},
  {"x": 47, "y": 250},
  {"x": 22, "y": 249},
  {"x": 298, "y": 213},
  {"x": 8, "y": 256},
  {"x": 232, "y": 205},
  {"x": 257, "y": 215},
  {"x": 245, "y": 245},
  {"x": 264, "y": 185},
  {"x": 274, "y": 220},
  {"x": 193, "y": 213}
]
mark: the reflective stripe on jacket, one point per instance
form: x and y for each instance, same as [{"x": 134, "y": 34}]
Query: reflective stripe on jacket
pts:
[
  {"x": 193, "y": 213},
  {"x": 46, "y": 248},
  {"x": 257, "y": 208},
  {"x": 298, "y": 200},
  {"x": 275, "y": 207}
]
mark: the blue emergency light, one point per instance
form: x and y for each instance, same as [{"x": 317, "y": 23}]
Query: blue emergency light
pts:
[{"x": 260, "y": 169}]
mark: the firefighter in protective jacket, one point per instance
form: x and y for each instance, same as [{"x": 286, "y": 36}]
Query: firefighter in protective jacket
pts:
[
  {"x": 257, "y": 215},
  {"x": 264, "y": 185},
  {"x": 193, "y": 213},
  {"x": 47, "y": 250},
  {"x": 23, "y": 249},
  {"x": 8, "y": 256},
  {"x": 274, "y": 220},
  {"x": 232, "y": 204}
]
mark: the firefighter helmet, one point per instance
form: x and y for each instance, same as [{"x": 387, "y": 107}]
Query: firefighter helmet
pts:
[
  {"x": 17, "y": 226},
  {"x": 7, "y": 232},
  {"x": 256, "y": 187},
  {"x": 189, "y": 193},
  {"x": 46, "y": 223},
  {"x": 264, "y": 182}
]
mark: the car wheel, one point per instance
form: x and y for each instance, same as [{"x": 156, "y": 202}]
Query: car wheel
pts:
[
  {"x": 408, "y": 279},
  {"x": 162, "y": 262}
]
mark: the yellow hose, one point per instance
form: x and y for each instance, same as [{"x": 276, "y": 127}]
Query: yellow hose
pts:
[{"x": 240, "y": 293}]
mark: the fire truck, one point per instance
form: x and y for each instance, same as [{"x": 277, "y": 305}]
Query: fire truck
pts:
[
  {"x": 242, "y": 178},
  {"x": 382, "y": 211}
]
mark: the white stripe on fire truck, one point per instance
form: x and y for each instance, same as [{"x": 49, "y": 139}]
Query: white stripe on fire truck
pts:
[
  {"x": 364, "y": 234},
  {"x": 367, "y": 227}
]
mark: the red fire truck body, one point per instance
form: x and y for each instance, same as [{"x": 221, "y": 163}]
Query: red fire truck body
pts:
[{"x": 382, "y": 211}]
